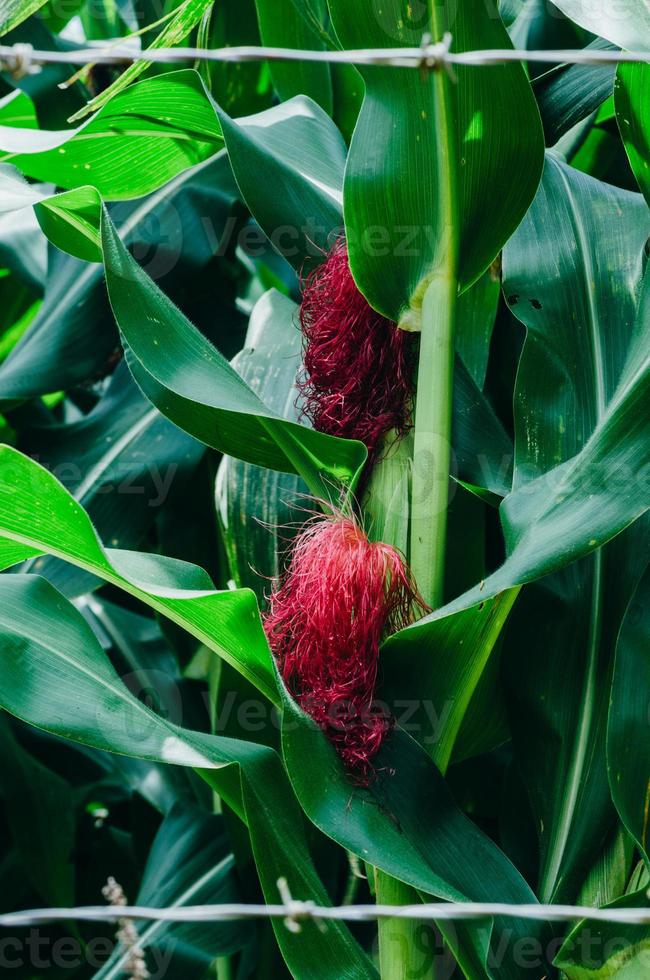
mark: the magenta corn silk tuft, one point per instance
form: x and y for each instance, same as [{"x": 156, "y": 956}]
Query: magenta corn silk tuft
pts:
[
  {"x": 358, "y": 366},
  {"x": 326, "y": 619}
]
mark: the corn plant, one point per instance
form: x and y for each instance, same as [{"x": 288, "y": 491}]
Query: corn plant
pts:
[{"x": 324, "y": 490}]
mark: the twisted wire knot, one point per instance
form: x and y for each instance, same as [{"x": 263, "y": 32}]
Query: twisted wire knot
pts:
[{"x": 18, "y": 61}]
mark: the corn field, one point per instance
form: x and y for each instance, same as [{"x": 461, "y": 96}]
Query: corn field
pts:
[{"x": 324, "y": 488}]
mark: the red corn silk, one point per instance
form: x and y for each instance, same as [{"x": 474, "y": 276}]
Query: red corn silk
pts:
[
  {"x": 340, "y": 596},
  {"x": 358, "y": 366}
]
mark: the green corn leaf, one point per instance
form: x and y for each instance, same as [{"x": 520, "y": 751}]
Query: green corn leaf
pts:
[
  {"x": 631, "y": 98},
  {"x": 38, "y": 514},
  {"x": 17, "y": 109},
  {"x": 606, "y": 950},
  {"x": 258, "y": 506},
  {"x": 629, "y": 26},
  {"x": 239, "y": 87},
  {"x": 437, "y": 666},
  {"x": 39, "y": 807},
  {"x": 14, "y": 12},
  {"x": 567, "y": 94},
  {"x": 609, "y": 875},
  {"x": 475, "y": 316},
  {"x": 569, "y": 510},
  {"x": 394, "y": 222},
  {"x": 128, "y": 459},
  {"x": 590, "y": 279},
  {"x": 302, "y": 155},
  {"x": 74, "y": 334},
  {"x": 136, "y": 142},
  {"x": 589, "y": 275},
  {"x": 579, "y": 609},
  {"x": 57, "y": 677}
]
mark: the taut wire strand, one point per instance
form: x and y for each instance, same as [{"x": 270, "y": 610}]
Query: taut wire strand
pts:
[
  {"x": 294, "y": 912},
  {"x": 23, "y": 59}
]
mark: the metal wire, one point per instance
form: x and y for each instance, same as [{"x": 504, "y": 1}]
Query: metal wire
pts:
[
  {"x": 23, "y": 59},
  {"x": 294, "y": 912}
]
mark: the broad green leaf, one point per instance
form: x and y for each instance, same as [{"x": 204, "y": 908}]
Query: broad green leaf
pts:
[
  {"x": 17, "y": 109},
  {"x": 70, "y": 219},
  {"x": 38, "y": 513},
  {"x": 72, "y": 336},
  {"x": 406, "y": 823},
  {"x": 189, "y": 864},
  {"x": 534, "y": 25},
  {"x": 628, "y": 750},
  {"x": 195, "y": 386},
  {"x": 481, "y": 448},
  {"x": 632, "y": 96},
  {"x": 102, "y": 19},
  {"x": 257, "y": 506},
  {"x": 607, "y": 950},
  {"x": 568, "y": 94},
  {"x": 436, "y": 666},
  {"x": 173, "y": 233},
  {"x": 19, "y": 309},
  {"x": 13, "y": 12},
  {"x": 575, "y": 287},
  {"x": 136, "y": 142},
  {"x": 56, "y": 677},
  {"x": 145, "y": 660},
  {"x": 55, "y": 16},
  {"x": 402, "y": 156},
  {"x": 13, "y": 552},
  {"x": 608, "y": 877},
  {"x": 284, "y": 25},
  {"x": 628, "y": 25},
  {"x": 576, "y": 290},
  {"x": 348, "y": 96},
  {"x": 302, "y": 155},
  {"x": 475, "y": 315},
  {"x": 186, "y": 17},
  {"x": 314, "y": 14}
]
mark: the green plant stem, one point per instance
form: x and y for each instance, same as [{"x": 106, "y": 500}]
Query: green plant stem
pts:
[
  {"x": 432, "y": 442},
  {"x": 433, "y": 409},
  {"x": 399, "y": 939}
]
